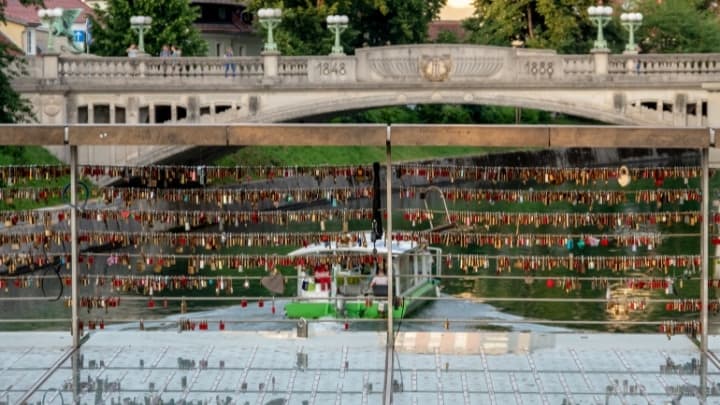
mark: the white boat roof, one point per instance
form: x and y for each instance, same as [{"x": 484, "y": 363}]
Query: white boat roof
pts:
[{"x": 333, "y": 247}]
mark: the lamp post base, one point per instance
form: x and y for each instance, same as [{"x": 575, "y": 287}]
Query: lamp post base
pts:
[{"x": 601, "y": 56}]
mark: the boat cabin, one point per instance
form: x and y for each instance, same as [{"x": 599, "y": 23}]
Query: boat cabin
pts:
[{"x": 353, "y": 261}]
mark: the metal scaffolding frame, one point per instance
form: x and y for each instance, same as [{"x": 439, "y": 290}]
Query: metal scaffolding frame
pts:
[{"x": 548, "y": 137}]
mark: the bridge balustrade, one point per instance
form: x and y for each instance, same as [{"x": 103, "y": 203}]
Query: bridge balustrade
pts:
[
  {"x": 675, "y": 66},
  {"x": 578, "y": 65},
  {"x": 74, "y": 67},
  {"x": 620, "y": 89},
  {"x": 294, "y": 68}
]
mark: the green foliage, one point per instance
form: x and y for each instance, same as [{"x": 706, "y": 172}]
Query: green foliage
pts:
[
  {"x": 447, "y": 37},
  {"x": 454, "y": 114},
  {"x": 303, "y": 30},
  {"x": 562, "y": 25},
  {"x": 13, "y": 108},
  {"x": 23, "y": 155},
  {"x": 678, "y": 26},
  {"x": 394, "y": 21},
  {"x": 172, "y": 24},
  {"x": 331, "y": 155},
  {"x": 670, "y": 26}
]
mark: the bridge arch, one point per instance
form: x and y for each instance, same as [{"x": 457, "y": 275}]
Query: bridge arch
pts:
[
  {"x": 680, "y": 90},
  {"x": 331, "y": 105}
]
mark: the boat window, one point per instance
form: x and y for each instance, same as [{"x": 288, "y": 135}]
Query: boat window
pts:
[{"x": 404, "y": 271}]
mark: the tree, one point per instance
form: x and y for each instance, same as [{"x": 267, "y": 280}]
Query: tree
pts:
[
  {"x": 678, "y": 26},
  {"x": 13, "y": 108},
  {"x": 447, "y": 37},
  {"x": 303, "y": 30},
  {"x": 562, "y": 25},
  {"x": 172, "y": 24},
  {"x": 392, "y": 21}
]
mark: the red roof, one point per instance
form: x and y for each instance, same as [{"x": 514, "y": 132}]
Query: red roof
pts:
[{"x": 16, "y": 12}]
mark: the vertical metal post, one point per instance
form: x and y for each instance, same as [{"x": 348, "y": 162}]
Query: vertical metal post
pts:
[
  {"x": 704, "y": 256},
  {"x": 390, "y": 347},
  {"x": 75, "y": 296},
  {"x": 74, "y": 245}
]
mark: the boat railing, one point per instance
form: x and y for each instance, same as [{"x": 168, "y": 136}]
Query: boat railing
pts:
[{"x": 351, "y": 284}]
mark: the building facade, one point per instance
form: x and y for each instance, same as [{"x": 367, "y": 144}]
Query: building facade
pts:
[
  {"x": 26, "y": 32},
  {"x": 228, "y": 24}
]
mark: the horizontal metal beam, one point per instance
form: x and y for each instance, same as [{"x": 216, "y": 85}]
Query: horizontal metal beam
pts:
[
  {"x": 537, "y": 136},
  {"x": 471, "y": 135},
  {"x": 307, "y": 135},
  {"x": 628, "y": 137},
  {"x": 112, "y": 135},
  {"x": 32, "y": 135}
]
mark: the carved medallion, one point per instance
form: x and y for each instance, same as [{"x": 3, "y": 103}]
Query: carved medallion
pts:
[
  {"x": 436, "y": 68},
  {"x": 52, "y": 106}
]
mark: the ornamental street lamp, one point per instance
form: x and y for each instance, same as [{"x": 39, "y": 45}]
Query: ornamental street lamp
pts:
[
  {"x": 140, "y": 24},
  {"x": 270, "y": 18},
  {"x": 631, "y": 21},
  {"x": 48, "y": 17},
  {"x": 337, "y": 24},
  {"x": 600, "y": 16}
]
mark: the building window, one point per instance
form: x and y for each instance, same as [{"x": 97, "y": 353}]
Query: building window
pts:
[
  {"x": 163, "y": 113},
  {"x": 101, "y": 114},
  {"x": 144, "y": 115},
  {"x": 29, "y": 41},
  {"x": 181, "y": 113},
  {"x": 119, "y": 115},
  {"x": 82, "y": 115}
]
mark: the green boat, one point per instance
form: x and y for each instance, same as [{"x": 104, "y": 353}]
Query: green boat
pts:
[{"x": 338, "y": 285}]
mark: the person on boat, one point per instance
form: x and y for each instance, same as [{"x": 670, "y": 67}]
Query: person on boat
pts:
[
  {"x": 322, "y": 276},
  {"x": 379, "y": 283},
  {"x": 379, "y": 279}
]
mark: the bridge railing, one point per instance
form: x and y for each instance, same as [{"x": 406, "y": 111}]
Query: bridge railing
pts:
[
  {"x": 293, "y": 66},
  {"x": 460, "y": 66},
  {"x": 574, "y": 65},
  {"x": 73, "y": 67},
  {"x": 665, "y": 64}
]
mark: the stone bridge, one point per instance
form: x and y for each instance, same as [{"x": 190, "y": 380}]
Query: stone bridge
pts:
[{"x": 679, "y": 90}]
